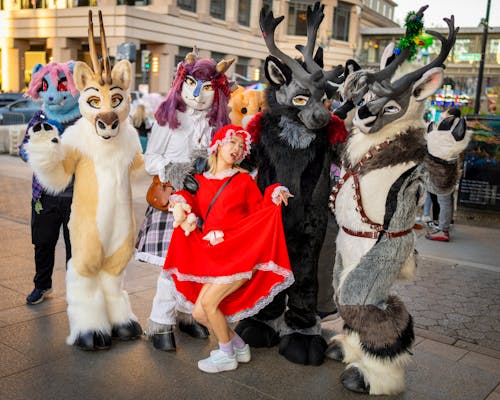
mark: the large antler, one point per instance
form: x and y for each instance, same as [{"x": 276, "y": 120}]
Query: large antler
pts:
[
  {"x": 404, "y": 82},
  {"x": 314, "y": 17},
  {"x": 388, "y": 72},
  {"x": 268, "y": 25}
]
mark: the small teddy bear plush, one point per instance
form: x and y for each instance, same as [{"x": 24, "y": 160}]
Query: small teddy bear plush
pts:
[{"x": 186, "y": 222}]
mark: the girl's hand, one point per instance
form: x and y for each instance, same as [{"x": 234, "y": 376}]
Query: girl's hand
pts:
[{"x": 283, "y": 197}]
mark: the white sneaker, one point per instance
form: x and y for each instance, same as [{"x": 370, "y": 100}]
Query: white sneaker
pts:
[
  {"x": 243, "y": 355},
  {"x": 217, "y": 362}
]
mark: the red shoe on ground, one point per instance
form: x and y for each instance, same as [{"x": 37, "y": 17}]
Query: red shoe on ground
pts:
[{"x": 438, "y": 235}]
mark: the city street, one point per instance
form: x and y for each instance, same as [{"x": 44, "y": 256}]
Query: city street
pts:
[{"x": 455, "y": 303}]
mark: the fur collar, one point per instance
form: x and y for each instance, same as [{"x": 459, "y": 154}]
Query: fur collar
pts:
[{"x": 409, "y": 146}]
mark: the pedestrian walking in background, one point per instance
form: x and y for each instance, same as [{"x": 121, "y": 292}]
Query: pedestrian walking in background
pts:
[
  {"x": 441, "y": 232},
  {"x": 141, "y": 123}
]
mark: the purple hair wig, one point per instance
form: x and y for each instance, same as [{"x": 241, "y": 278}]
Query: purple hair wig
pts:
[
  {"x": 203, "y": 69},
  {"x": 52, "y": 69}
]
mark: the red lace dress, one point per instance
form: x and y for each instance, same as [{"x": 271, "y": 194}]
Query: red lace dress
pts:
[{"x": 253, "y": 248}]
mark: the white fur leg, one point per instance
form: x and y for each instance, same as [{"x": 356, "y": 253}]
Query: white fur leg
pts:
[
  {"x": 86, "y": 305},
  {"x": 351, "y": 346},
  {"x": 164, "y": 302},
  {"x": 384, "y": 375},
  {"x": 117, "y": 301}
]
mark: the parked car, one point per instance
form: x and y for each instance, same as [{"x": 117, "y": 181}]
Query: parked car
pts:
[
  {"x": 9, "y": 97},
  {"x": 19, "y": 111}
]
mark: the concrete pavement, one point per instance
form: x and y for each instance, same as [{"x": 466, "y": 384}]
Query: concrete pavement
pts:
[{"x": 454, "y": 300}]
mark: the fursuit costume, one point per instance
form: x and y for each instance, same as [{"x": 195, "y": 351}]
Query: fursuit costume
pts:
[
  {"x": 186, "y": 120},
  {"x": 295, "y": 141},
  {"x": 54, "y": 85},
  {"x": 101, "y": 150},
  {"x": 388, "y": 155}
]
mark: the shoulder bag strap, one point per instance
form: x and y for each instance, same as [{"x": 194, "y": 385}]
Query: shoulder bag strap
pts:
[{"x": 218, "y": 193}]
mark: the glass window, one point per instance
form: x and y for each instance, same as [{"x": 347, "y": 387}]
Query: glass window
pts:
[
  {"x": 188, "y": 5},
  {"x": 493, "y": 53},
  {"x": 297, "y": 24},
  {"x": 341, "y": 18},
  {"x": 82, "y": 3},
  {"x": 461, "y": 50},
  {"x": 133, "y": 2},
  {"x": 244, "y": 12},
  {"x": 32, "y": 4},
  {"x": 242, "y": 66},
  {"x": 215, "y": 55},
  {"x": 218, "y": 9}
]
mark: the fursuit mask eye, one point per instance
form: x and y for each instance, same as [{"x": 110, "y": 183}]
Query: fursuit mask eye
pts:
[
  {"x": 116, "y": 100},
  {"x": 391, "y": 108},
  {"x": 44, "y": 86},
  {"x": 207, "y": 87},
  {"x": 190, "y": 81},
  {"x": 94, "y": 102},
  {"x": 62, "y": 85},
  {"x": 300, "y": 100}
]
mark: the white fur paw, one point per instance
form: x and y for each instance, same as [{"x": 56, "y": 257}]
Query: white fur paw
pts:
[
  {"x": 44, "y": 143},
  {"x": 448, "y": 139}
]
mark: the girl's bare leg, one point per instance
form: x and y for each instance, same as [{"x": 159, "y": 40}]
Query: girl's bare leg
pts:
[{"x": 210, "y": 299}]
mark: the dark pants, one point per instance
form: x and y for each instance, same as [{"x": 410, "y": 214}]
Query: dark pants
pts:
[{"x": 45, "y": 228}]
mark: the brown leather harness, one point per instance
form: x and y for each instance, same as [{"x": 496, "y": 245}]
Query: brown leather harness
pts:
[{"x": 353, "y": 172}]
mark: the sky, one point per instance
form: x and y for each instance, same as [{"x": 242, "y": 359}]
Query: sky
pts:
[{"x": 468, "y": 13}]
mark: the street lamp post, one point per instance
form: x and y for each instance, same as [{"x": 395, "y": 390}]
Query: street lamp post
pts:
[{"x": 485, "y": 23}]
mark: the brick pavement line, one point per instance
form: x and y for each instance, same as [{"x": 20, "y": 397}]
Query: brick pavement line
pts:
[
  {"x": 428, "y": 335},
  {"x": 13, "y": 219},
  {"x": 461, "y": 263}
]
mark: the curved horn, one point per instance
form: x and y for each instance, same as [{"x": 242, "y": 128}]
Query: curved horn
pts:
[
  {"x": 92, "y": 48},
  {"x": 104, "y": 49},
  {"x": 191, "y": 56},
  {"x": 268, "y": 25},
  {"x": 223, "y": 66}
]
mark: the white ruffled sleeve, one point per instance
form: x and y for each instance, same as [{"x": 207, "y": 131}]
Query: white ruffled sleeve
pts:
[
  {"x": 276, "y": 192},
  {"x": 154, "y": 160}
]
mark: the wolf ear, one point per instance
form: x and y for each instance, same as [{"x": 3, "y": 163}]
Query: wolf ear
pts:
[
  {"x": 427, "y": 85},
  {"x": 82, "y": 75},
  {"x": 276, "y": 72},
  {"x": 121, "y": 73},
  {"x": 36, "y": 68},
  {"x": 387, "y": 56}
]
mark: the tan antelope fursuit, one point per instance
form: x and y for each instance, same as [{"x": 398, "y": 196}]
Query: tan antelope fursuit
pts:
[{"x": 100, "y": 150}]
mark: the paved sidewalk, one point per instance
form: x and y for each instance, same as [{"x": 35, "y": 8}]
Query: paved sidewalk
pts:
[{"x": 455, "y": 303}]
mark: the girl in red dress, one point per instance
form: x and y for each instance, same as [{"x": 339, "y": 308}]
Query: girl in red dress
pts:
[{"x": 237, "y": 262}]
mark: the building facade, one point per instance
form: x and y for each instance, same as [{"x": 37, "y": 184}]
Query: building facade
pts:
[{"x": 161, "y": 32}]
